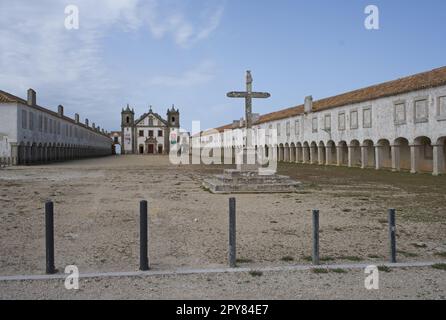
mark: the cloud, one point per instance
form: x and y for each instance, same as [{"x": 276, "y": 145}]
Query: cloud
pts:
[
  {"x": 203, "y": 73},
  {"x": 68, "y": 66}
]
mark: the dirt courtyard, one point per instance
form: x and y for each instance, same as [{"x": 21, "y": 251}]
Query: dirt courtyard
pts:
[{"x": 97, "y": 217}]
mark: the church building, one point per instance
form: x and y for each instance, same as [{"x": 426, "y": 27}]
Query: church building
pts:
[{"x": 150, "y": 134}]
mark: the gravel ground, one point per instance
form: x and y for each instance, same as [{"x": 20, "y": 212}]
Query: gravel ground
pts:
[
  {"x": 96, "y": 222},
  {"x": 419, "y": 283}
]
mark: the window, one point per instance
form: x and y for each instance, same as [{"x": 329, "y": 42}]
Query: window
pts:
[
  {"x": 58, "y": 127},
  {"x": 31, "y": 121},
  {"x": 442, "y": 107},
  {"x": 288, "y": 129},
  {"x": 341, "y": 121},
  {"x": 116, "y": 140},
  {"x": 127, "y": 120},
  {"x": 327, "y": 122},
  {"x": 367, "y": 117},
  {"x": 160, "y": 133},
  {"x": 45, "y": 125},
  {"x": 141, "y": 133},
  {"x": 354, "y": 119},
  {"x": 173, "y": 119},
  {"x": 421, "y": 110},
  {"x": 150, "y": 133},
  {"x": 40, "y": 123},
  {"x": 296, "y": 127},
  {"x": 400, "y": 112},
  {"x": 278, "y": 129},
  {"x": 314, "y": 124},
  {"x": 150, "y": 121},
  {"x": 24, "y": 119}
]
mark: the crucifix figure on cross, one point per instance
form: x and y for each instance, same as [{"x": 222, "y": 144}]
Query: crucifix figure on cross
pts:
[{"x": 248, "y": 95}]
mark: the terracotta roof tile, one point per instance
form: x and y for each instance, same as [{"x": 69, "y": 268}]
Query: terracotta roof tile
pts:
[{"x": 420, "y": 81}]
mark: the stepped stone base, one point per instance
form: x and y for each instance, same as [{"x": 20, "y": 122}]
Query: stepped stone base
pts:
[{"x": 247, "y": 181}]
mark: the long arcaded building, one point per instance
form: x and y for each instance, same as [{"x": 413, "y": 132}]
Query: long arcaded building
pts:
[
  {"x": 31, "y": 134},
  {"x": 396, "y": 125}
]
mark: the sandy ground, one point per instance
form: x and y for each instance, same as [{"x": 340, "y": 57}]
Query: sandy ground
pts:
[{"x": 96, "y": 223}]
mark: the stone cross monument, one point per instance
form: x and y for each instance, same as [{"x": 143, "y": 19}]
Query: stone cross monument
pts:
[
  {"x": 246, "y": 178},
  {"x": 248, "y": 95}
]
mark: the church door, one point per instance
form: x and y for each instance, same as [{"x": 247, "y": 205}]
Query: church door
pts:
[
  {"x": 160, "y": 149},
  {"x": 151, "y": 149},
  {"x": 141, "y": 149}
]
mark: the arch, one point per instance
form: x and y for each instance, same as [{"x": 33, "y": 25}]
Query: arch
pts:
[
  {"x": 34, "y": 154},
  {"x": 439, "y": 157},
  {"x": 354, "y": 154},
  {"x": 299, "y": 152},
  {"x": 330, "y": 153},
  {"x": 342, "y": 154},
  {"x": 280, "y": 151},
  {"x": 313, "y": 153},
  {"x": 306, "y": 152},
  {"x": 401, "y": 154},
  {"x": 292, "y": 152},
  {"x": 422, "y": 155},
  {"x": 286, "y": 153},
  {"x": 321, "y": 153},
  {"x": 368, "y": 154},
  {"x": 383, "y": 154},
  {"x": 21, "y": 153}
]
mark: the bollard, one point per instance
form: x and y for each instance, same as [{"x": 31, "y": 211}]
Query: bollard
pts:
[
  {"x": 143, "y": 237},
  {"x": 316, "y": 237},
  {"x": 49, "y": 237},
  {"x": 392, "y": 235},
  {"x": 232, "y": 232}
]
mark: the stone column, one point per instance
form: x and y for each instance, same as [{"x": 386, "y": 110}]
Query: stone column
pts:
[
  {"x": 414, "y": 158},
  {"x": 364, "y": 157},
  {"x": 438, "y": 160},
  {"x": 328, "y": 155},
  {"x": 305, "y": 155},
  {"x": 339, "y": 156},
  {"x": 378, "y": 160},
  {"x": 320, "y": 157},
  {"x": 14, "y": 153},
  {"x": 350, "y": 156},
  {"x": 396, "y": 163}
]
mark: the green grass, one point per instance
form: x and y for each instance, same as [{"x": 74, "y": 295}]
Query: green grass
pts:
[
  {"x": 407, "y": 254},
  {"x": 319, "y": 270},
  {"x": 339, "y": 270},
  {"x": 244, "y": 260},
  {"x": 440, "y": 254},
  {"x": 439, "y": 266},
  {"x": 350, "y": 258},
  {"x": 287, "y": 258},
  {"x": 255, "y": 273},
  {"x": 384, "y": 269}
]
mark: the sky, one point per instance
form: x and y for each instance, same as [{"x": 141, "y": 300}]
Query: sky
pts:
[{"x": 190, "y": 53}]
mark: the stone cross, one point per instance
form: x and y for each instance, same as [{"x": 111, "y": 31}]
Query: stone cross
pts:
[{"x": 248, "y": 95}]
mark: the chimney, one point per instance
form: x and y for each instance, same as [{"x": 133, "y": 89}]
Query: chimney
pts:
[
  {"x": 308, "y": 104},
  {"x": 31, "y": 97},
  {"x": 86, "y": 122},
  {"x": 60, "y": 110},
  {"x": 76, "y": 118}
]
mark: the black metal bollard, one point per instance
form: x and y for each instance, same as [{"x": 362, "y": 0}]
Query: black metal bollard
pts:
[
  {"x": 49, "y": 237},
  {"x": 392, "y": 235},
  {"x": 232, "y": 233},
  {"x": 316, "y": 237},
  {"x": 143, "y": 247}
]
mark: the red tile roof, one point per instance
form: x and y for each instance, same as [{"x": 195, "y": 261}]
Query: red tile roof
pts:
[{"x": 420, "y": 81}]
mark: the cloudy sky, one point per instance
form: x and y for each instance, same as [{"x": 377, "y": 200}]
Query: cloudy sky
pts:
[{"x": 191, "y": 52}]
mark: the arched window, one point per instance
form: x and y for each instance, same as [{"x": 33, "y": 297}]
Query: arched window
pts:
[{"x": 128, "y": 119}]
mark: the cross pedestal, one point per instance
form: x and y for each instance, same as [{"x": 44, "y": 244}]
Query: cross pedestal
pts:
[{"x": 247, "y": 178}]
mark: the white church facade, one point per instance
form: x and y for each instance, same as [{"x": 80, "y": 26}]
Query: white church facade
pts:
[
  {"x": 31, "y": 134},
  {"x": 150, "y": 134},
  {"x": 397, "y": 125}
]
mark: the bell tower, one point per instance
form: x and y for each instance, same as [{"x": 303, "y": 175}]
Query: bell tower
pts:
[
  {"x": 127, "y": 131},
  {"x": 127, "y": 117},
  {"x": 173, "y": 117}
]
